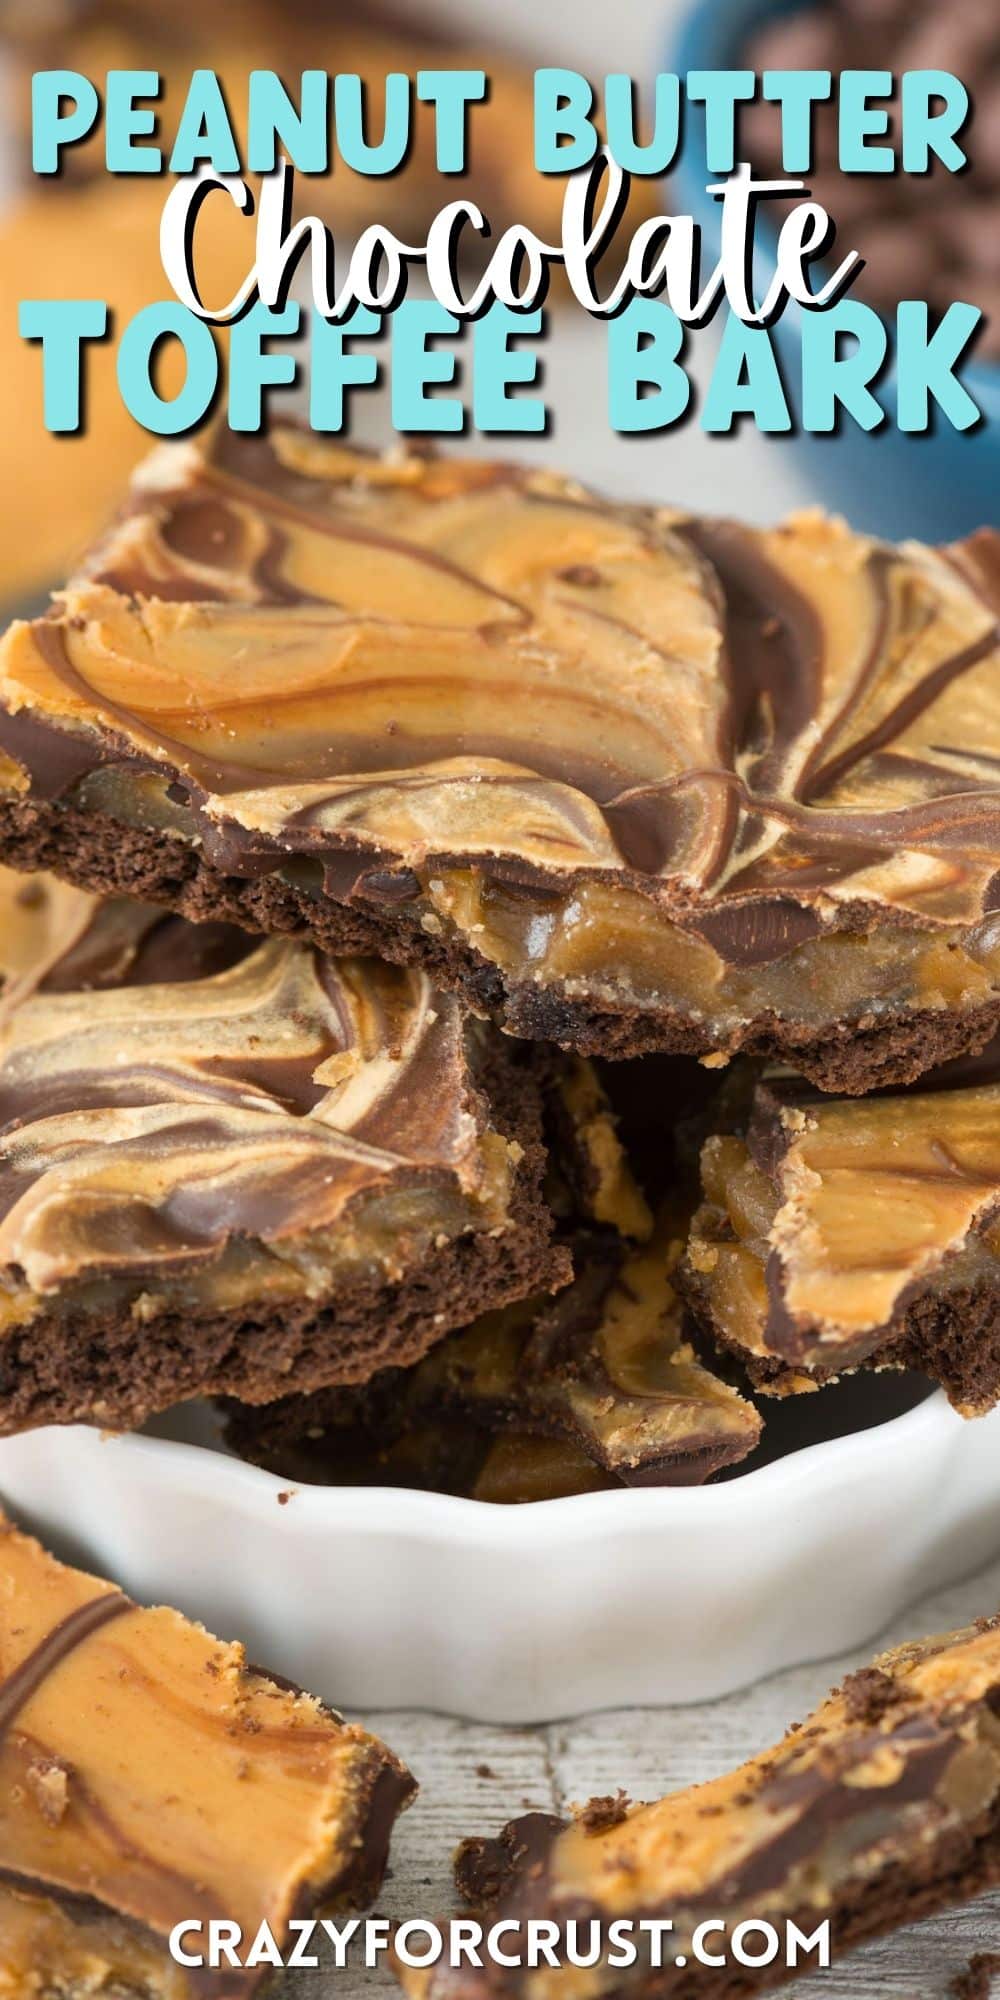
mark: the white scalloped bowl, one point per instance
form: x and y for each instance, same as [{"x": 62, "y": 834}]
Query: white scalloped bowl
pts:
[{"x": 380, "y": 1598}]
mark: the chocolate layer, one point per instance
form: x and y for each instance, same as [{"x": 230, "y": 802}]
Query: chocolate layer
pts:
[
  {"x": 149, "y": 1775},
  {"x": 230, "y": 1163},
  {"x": 840, "y": 1234},
  {"x": 604, "y": 1371},
  {"x": 631, "y": 781},
  {"x": 883, "y": 1806}
]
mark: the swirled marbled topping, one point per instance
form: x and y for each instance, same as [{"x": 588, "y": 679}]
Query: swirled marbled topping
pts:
[
  {"x": 176, "y": 1095},
  {"x": 842, "y": 1232},
  {"x": 638, "y": 756},
  {"x": 148, "y": 1774}
]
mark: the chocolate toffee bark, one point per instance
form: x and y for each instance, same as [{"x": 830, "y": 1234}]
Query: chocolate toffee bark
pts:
[
  {"x": 882, "y": 1807},
  {"x": 628, "y": 781},
  {"x": 603, "y": 1375},
  {"x": 542, "y": 1399},
  {"x": 148, "y": 1775},
  {"x": 837, "y": 1234},
  {"x": 228, "y": 1165}
]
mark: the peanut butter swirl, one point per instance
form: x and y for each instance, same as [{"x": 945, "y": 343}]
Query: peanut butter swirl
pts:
[
  {"x": 180, "y": 1099},
  {"x": 652, "y": 761},
  {"x": 884, "y": 1804},
  {"x": 836, "y": 1233},
  {"x": 148, "y": 1774}
]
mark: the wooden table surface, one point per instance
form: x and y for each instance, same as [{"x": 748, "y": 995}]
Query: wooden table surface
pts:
[{"x": 474, "y": 1777}]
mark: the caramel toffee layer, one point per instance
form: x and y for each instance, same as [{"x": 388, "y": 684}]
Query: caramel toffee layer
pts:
[
  {"x": 838, "y": 1233},
  {"x": 602, "y": 1375},
  {"x": 590, "y": 1182},
  {"x": 883, "y": 1806},
  {"x": 228, "y": 1163},
  {"x": 148, "y": 1774},
  {"x": 632, "y": 780}
]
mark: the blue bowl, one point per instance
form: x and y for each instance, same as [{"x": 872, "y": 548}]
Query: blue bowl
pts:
[{"x": 935, "y": 486}]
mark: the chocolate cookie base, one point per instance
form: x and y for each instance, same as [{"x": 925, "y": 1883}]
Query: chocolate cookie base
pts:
[
  {"x": 952, "y": 1337},
  {"x": 68, "y": 1365},
  {"x": 961, "y": 1867},
  {"x": 849, "y": 1057}
]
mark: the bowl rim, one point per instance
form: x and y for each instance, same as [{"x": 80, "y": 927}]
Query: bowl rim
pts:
[
  {"x": 694, "y": 42},
  {"x": 218, "y": 1475}
]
